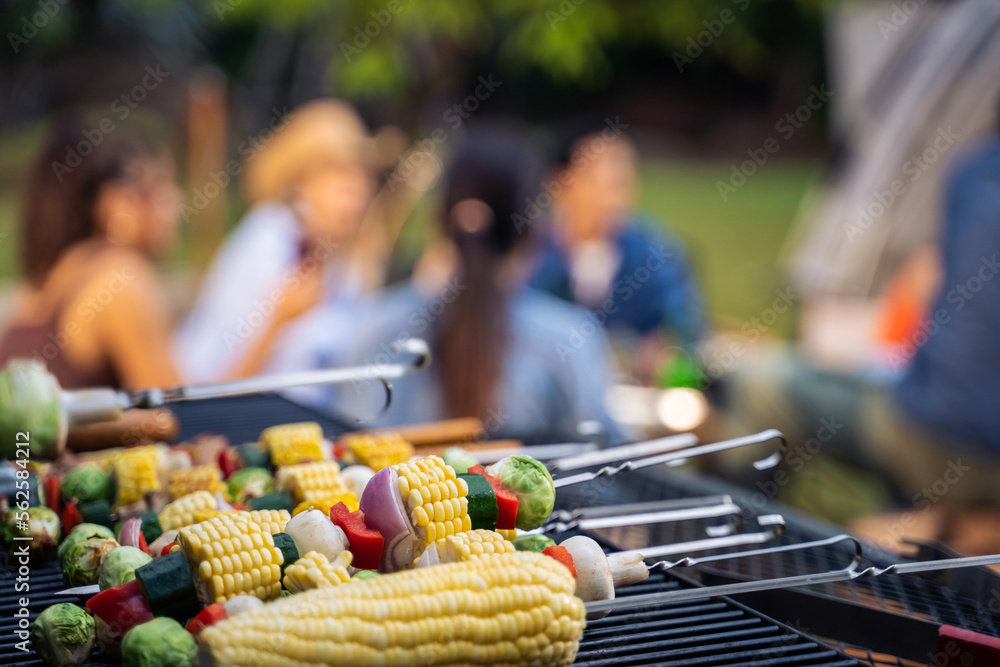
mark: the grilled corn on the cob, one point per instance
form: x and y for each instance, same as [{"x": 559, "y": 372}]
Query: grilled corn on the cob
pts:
[
  {"x": 199, "y": 478},
  {"x": 136, "y": 472},
  {"x": 293, "y": 443},
  {"x": 309, "y": 481},
  {"x": 314, "y": 571},
  {"x": 506, "y": 609},
  {"x": 231, "y": 555},
  {"x": 378, "y": 450},
  {"x": 434, "y": 497},
  {"x": 185, "y": 511}
]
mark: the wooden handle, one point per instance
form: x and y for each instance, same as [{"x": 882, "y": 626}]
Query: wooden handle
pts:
[
  {"x": 443, "y": 432},
  {"x": 482, "y": 445},
  {"x": 134, "y": 426}
]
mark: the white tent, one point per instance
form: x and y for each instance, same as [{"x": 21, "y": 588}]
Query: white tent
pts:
[{"x": 915, "y": 83}]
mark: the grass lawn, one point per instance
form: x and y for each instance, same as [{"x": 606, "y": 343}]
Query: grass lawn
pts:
[{"x": 733, "y": 244}]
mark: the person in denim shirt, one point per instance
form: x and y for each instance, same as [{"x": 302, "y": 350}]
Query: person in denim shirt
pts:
[{"x": 599, "y": 253}]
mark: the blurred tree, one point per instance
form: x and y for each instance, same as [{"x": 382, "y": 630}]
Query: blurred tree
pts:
[{"x": 393, "y": 47}]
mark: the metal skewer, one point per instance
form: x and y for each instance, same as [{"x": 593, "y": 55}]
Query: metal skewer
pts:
[
  {"x": 99, "y": 404},
  {"x": 152, "y": 398},
  {"x": 630, "y": 451},
  {"x": 575, "y": 455},
  {"x": 677, "y": 457},
  {"x": 847, "y": 574},
  {"x": 772, "y": 525},
  {"x": 635, "y": 515}
]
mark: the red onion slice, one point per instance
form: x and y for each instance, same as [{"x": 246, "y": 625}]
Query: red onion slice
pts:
[
  {"x": 130, "y": 533},
  {"x": 384, "y": 511}
]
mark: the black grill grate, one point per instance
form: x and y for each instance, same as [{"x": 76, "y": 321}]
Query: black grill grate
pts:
[
  {"x": 908, "y": 595},
  {"x": 712, "y": 632},
  {"x": 715, "y": 632}
]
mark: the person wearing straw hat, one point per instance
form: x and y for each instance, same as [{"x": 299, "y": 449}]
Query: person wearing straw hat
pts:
[{"x": 285, "y": 274}]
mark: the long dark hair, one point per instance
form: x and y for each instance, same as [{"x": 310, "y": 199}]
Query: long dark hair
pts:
[
  {"x": 496, "y": 167},
  {"x": 63, "y": 184}
]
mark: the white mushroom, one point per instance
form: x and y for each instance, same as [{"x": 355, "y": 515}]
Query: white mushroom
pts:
[
  {"x": 312, "y": 530},
  {"x": 593, "y": 573}
]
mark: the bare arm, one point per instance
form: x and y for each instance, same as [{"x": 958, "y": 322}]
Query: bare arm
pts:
[
  {"x": 302, "y": 294},
  {"x": 132, "y": 323}
]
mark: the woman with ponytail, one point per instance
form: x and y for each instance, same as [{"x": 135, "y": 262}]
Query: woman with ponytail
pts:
[{"x": 530, "y": 365}]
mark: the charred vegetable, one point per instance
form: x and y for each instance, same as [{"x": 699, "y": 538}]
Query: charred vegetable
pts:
[
  {"x": 41, "y": 525},
  {"x": 63, "y": 634}
]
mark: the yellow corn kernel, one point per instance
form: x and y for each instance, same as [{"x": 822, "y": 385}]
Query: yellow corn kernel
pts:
[
  {"x": 136, "y": 472},
  {"x": 200, "y": 478},
  {"x": 507, "y": 609},
  {"x": 430, "y": 485},
  {"x": 314, "y": 571},
  {"x": 377, "y": 450},
  {"x": 215, "y": 551},
  {"x": 311, "y": 481},
  {"x": 184, "y": 511},
  {"x": 326, "y": 504},
  {"x": 293, "y": 443},
  {"x": 507, "y": 533},
  {"x": 272, "y": 521}
]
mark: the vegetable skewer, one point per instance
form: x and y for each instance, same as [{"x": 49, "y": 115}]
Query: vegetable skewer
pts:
[
  {"x": 66, "y": 409},
  {"x": 348, "y": 622},
  {"x": 678, "y": 457},
  {"x": 849, "y": 573}
]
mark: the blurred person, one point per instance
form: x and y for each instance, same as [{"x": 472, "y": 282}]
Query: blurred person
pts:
[
  {"x": 283, "y": 280},
  {"x": 502, "y": 351},
  {"x": 600, "y": 253},
  {"x": 930, "y": 426},
  {"x": 92, "y": 307}
]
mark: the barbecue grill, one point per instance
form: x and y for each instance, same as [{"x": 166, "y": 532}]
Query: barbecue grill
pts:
[{"x": 888, "y": 620}]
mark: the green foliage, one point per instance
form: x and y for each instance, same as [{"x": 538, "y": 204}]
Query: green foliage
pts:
[{"x": 384, "y": 44}]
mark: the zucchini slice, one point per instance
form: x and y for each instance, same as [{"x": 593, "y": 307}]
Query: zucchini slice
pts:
[
  {"x": 285, "y": 544},
  {"x": 169, "y": 587},
  {"x": 482, "y": 499}
]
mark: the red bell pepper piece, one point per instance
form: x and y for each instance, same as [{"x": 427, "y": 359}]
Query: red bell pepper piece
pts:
[
  {"x": 366, "y": 543},
  {"x": 166, "y": 550},
  {"x": 143, "y": 545},
  {"x": 122, "y": 607},
  {"x": 210, "y": 615},
  {"x": 506, "y": 500},
  {"x": 70, "y": 517},
  {"x": 562, "y": 555},
  {"x": 52, "y": 499},
  {"x": 229, "y": 462}
]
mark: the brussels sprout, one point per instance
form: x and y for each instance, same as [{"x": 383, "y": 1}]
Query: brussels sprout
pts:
[
  {"x": 249, "y": 483},
  {"x": 87, "y": 483},
  {"x": 532, "y": 484},
  {"x": 83, "y": 561},
  {"x": 119, "y": 566},
  {"x": 29, "y": 402},
  {"x": 80, "y": 533},
  {"x": 538, "y": 543},
  {"x": 42, "y": 526},
  {"x": 459, "y": 459},
  {"x": 162, "y": 642},
  {"x": 364, "y": 575},
  {"x": 63, "y": 634}
]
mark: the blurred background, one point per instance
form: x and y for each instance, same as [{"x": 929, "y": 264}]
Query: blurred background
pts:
[{"x": 796, "y": 156}]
